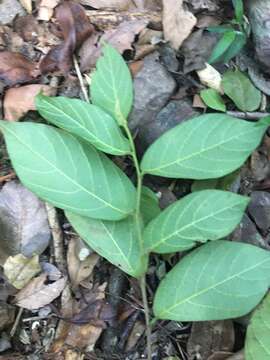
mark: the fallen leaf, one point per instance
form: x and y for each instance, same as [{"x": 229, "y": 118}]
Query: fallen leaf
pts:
[
  {"x": 177, "y": 22},
  {"x": 20, "y": 270},
  {"x": 110, "y": 4},
  {"x": 23, "y": 222},
  {"x": 75, "y": 28},
  {"x": 46, "y": 8},
  {"x": 28, "y": 28},
  {"x": 16, "y": 68},
  {"x": 79, "y": 270},
  {"x": 120, "y": 38},
  {"x": 27, "y": 4},
  {"x": 18, "y": 101},
  {"x": 211, "y": 78},
  {"x": 38, "y": 294},
  {"x": 198, "y": 103},
  {"x": 7, "y": 315}
]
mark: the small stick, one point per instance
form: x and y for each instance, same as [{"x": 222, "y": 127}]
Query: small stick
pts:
[
  {"x": 248, "y": 115},
  {"x": 58, "y": 240},
  {"x": 7, "y": 177},
  {"x": 16, "y": 323},
  {"x": 79, "y": 74}
]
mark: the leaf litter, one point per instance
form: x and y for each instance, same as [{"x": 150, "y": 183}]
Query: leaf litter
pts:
[{"x": 43, "y": 44}]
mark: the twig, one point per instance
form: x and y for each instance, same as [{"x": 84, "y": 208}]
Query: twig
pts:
[
  {"x": 7, "y": 177},
  {"x": 16, "y": 322},
  {"x": 58, "y": 240},
  {"x": 79, "y": 74},
  {"x": 248, "y": 115}
]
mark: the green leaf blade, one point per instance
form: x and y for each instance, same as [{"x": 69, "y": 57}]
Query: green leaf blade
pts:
[
  {"x": 84, "y": 120},
  {"x": 205, "y": 147},
  {"x": 257, "y": 339},
  {"x": 222, "y": 46},
  {"x": 241, "y": 91},
  {"x": 213, "y": 99},
  {"x": 111, "y": 85},
  {"x": 198, "y": 217},
  {"x": 68, "y": 173},
  {"x": 115, "y": 241},
  {"x": 149, "y": 205},
  {"x": 220, "y": 280}
]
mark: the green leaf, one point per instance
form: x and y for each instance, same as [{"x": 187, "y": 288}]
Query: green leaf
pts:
[
  {"x": 236, "y": 46},
  {"x": 68, "y": 173},
  {"x": 224, "y": 183},
  {"x": 220, "y": 29},
  {"x": 115, "y": 241},
  {"x": 220, "y": 280},
  {"x": 241, "y": 91},
  {"x": 239, "y": 10},
  {"x": 111, "y": 85},
  {"x": 84, "y": 120},
  {"x": 213, "y": 99},
  {"x": 149, "y": 205},
  {"x": 198, "y": 217},
  {"x": 257, "y": 346},
  {"x": 223, "y": 44},
  {"x": 205, "y": 147}
]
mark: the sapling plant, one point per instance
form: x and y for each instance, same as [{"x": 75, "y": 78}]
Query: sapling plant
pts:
[{"x": 69, "y": 165}]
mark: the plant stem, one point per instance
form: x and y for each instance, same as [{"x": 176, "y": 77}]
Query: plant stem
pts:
[{"x": 142, "y": 280}]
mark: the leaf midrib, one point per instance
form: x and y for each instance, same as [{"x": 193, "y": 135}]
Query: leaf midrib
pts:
[
  {"x": 213, "y": 286},
  {"x": 62, "y": 173}
]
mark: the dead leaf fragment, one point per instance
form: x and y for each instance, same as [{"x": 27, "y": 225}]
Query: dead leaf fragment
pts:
[
  {"x": 38, "y": 294},
  {"x": 79, "y": 270},
  {"x": 120, "y": 38},
  {"x": 16, "y": 68},
  {"x": 20, "y": 270},
  {"x": 75, "y": 28},
  {"x": 24, "y": 224},
  {"x": 211, "y": 78},
  {"x": 18, "y": 101},
  {"x": 110, "y": 4},
  {"x": 177, "y": 22},
  {"x": 27, "y": 4},
  {"x": 46, "y": 8}
]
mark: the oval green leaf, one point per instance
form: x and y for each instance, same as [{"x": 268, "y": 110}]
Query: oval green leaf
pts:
[
  {"x": 149, "y": 205},
  {"x": 68, "y": 173},
  {"x": 257, "y": 346},
  {"x": 111, "y": 85},
  {"x": 223, "y": 44},
  {"x": 213, "y": 99},
  {"x": 205, "y": 147},
  {"x": 115, "y": 241},
  {"x": 84, "y": 120},
  {"x": 220, "y": 280},
  {"x": 241, "y": 91},
  {"x": 198, "y": 217}
]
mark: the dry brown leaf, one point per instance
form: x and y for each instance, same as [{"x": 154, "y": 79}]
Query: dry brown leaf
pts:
[
  {"x": 198, "y": 102},
  {"x": 16, "y": 68},
  {"x": 18, "y": 101},
  {"x": 46, "y": 8},
  {"x": 120, "y": 38},
  {"x": 27, "y": 4},
  {"x": 79, "y": 270},
  {"x": 211, "y": 78},
  {"x": 20, "y": 270},
  {"x": 110, "y": 4},
  {"x": 38, "y": 294},
  {"x": 177, "y": 22}
]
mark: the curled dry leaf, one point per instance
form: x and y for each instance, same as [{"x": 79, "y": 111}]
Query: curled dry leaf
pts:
[
  {"x": 177, "y": 22},
  {"x": 79, "y": 270},
  {"x": 75, "y": 28},
  {"x": 18, "y": 101},
  {"x": 120, "y": 38},
  {"x": 38, "y": 294},
  {"x": 20, "y": 270},
  {"x": 16, "y": 68},
  {"x": 24, "y": 225},
  {"x": 211, "y": 78}
]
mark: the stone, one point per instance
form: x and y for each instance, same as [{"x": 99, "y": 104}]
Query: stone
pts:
[
  {"x": 9, "y": 9},
  {"x": 247, "y": 232},
  {"x": 174, "y": 113},
  {"x": 153, "y": 87},
  {"x": 259, "y": 209}
]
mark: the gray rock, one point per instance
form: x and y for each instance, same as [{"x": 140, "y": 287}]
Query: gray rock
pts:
[
  {"x": 176, "y": 112},
  {"x": 246, "y": 232},
  {"x": 259, "y": 209},
  {"x": 153, "y": 87},
  {"x": 9, "y": 9}
]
